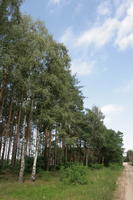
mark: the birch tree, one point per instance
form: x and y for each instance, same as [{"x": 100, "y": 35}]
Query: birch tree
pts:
[
  {"x": 22, "y": 165},
  {"x": 33, "y": 175}
]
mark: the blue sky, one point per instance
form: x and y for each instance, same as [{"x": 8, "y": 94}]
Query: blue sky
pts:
[{"x": 99, "y": 36}]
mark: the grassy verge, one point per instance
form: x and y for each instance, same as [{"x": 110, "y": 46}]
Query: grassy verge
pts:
[{"x": 101, "y": 186}]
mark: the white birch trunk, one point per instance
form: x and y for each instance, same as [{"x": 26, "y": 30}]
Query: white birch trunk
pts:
[
  {"x": 33, "y": 175},
  {"x": 22, "y": 166}
]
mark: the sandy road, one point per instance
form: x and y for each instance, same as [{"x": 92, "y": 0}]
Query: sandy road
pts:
[{"x": 125, "y": 184}]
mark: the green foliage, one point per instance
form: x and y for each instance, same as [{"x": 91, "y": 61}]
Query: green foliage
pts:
[
  {"x": 9, "y": 13},
  {"x": 28, "y": 164},
  {"x": 9, "y": 169},
  {"x": 115, "y": 166},
  {"x": 112, "y": 149},
  {"x": 96, "y": 166},
  {"x": 74, "y": 174},
  {"x": 101, "y": 186},
  {"x": 36, "y": 82}
]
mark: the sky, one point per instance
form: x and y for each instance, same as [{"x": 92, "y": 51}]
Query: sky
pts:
[{"x": 99, "y": 37}]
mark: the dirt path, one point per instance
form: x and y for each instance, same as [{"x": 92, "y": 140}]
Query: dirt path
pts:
[{"x": 125, "y": 184}]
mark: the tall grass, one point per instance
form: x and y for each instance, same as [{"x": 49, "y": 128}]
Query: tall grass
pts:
[{"x": 100, "y": 186}]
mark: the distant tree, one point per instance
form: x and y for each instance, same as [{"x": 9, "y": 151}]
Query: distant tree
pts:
[
  {"x": 130, "y": 156},
  {"x": 112, "y": 150}
]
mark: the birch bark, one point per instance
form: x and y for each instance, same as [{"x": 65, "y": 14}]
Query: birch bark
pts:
[{"x": 33, "y": 175}]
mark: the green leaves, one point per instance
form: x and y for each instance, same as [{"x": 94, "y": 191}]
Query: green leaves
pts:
[
  {"x": 35, "y": 75},
  {"x": 74, "y": 174}
]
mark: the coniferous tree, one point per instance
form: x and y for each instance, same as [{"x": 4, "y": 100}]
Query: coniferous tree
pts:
[{"x": 38, "y": 94}]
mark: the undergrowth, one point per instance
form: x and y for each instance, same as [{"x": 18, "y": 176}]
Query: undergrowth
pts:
[{"x": 100, "y": 184}]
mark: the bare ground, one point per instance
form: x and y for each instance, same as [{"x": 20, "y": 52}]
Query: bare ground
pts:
[{"x": 125, "y": 184}]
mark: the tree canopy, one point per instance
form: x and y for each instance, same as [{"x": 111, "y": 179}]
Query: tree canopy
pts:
[{"x": 41, "y": 103}]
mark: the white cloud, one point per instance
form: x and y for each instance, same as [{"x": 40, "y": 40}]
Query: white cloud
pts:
[
  {"x": 68, "y": 38},
  {"x": 112, "y": 28},
  {"x": 112, "y": 113},
  {"x": 99, "y": 35},
  {"x": 125, "y": 32},
  {"x": 111, "y": 108},
  {"x": 82, "y": 67},
  {"x": 117, "y": 30},
  {"x": 122, "y": 7},
  {"x": 104, "y": 8},
  {"x": 102, "y": 33}
]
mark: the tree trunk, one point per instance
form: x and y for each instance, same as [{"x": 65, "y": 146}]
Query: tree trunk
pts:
[
  {"x": 87, "y": 157},
  {"x": 2, "y": 88},
  {"x": 46, "y": 151},
  {"x": 10, "y": 138},
  {"x": 7, "y": 129},
  {"x": 16, "y": 137},
  {"x": 28, "y": 131},
  {"x": 22, "y": 165},
  {"x": 49, "y": 149},
  {"x": 55, "y": 150},
  {"x": 0, "y": 145},
  {"x": 9, "y": 147},
  {"x": 33, "y": 175}
]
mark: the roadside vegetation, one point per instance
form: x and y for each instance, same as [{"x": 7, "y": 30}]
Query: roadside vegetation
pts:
[{"x": 101, "y": 184}]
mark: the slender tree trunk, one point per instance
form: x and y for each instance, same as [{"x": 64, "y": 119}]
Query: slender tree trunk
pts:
[
  {"x": 7, "y": 129},
  {"x": 10, "y": 138},
  {"x": 28, "y": 135},
  {"x": 49, "y": 149},
  {"x": 46, "y": 150},
  {"x": 33, "y": 175},
  {"x": 16, "y": 137},
  {"x": 87, "y": 157},
  {"x": 1, "y": 140},
  {"x": 2, "y": 88},
  {"x": 0, "y": 145},
  {"x": 2, "y": 104},
  {"x": 64, "y": 150},
  {"x": 22, "y": 164},
  {"x": 9, "y": 146},
  {"x": 66, "y": 153},
  {"x": 55, "y": 150},
  {"x": 80, "y": 153},
  {"x": 84, "y": 162}
]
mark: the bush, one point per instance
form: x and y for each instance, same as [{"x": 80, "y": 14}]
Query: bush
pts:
[
  {"x": 9, "y": 169},
  {"x": 96, "y": 166},
  {"x": 75, "y": 174},
  {"x": 115, "y": 166},
  {"x": 28, "y": 165}
]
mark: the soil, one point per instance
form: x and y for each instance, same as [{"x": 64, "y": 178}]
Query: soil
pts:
[{"x": 125, "y": 184}]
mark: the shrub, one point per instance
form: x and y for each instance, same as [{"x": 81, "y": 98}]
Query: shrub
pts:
[
  {"x": 9, "y": 169},
  {"x": 75, "y": 174},
  {"x": 115, "y": 166},
  {"x": 28, "y": 165},
  {"x": 96, "y": 166}
]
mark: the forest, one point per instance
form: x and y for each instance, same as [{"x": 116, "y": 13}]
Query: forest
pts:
[{"x": 43, "y": 122}]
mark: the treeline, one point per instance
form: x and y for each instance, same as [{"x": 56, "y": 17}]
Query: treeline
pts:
[
  {"x": 129, "y": 156},
  {"x": 41, "y": 104}
]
